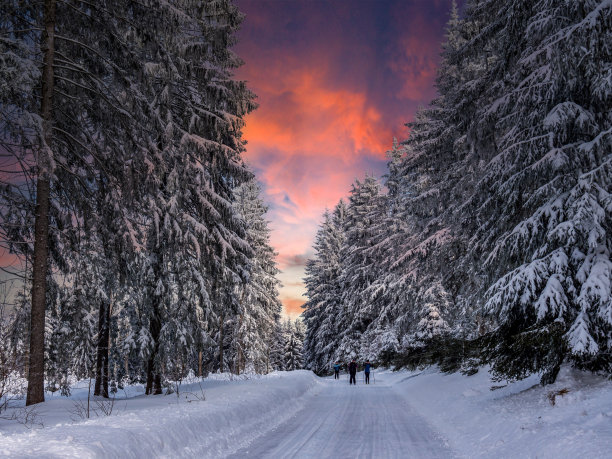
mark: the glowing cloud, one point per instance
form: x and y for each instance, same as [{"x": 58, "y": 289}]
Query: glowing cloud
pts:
[{"x": 336, "y": 81}]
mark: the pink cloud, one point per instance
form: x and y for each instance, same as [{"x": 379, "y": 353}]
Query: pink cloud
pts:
[
  {"x": 333, "y": 92},
  {"x": 293, "y": 306}
]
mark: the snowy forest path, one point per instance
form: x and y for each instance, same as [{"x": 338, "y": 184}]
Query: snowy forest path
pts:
[{"x": 364, "y": 421}]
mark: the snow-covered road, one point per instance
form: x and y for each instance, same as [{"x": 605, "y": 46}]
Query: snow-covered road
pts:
[
  {"x": 339, "y": 420},
  {"x": 296, "y": 414}
]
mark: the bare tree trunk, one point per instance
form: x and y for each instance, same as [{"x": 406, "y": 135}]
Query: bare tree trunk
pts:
[
  {"x": 154, "y": 367},
  {"x": 239, "y": 357},
  {"x": 149, "y": 388},
  {"x": 153, "y": 374},
  {"x": 106, "y": 370},
  {"x": 200, "y": 363},
  {"x": 36, "y": 373},
  {"x": 221, "y": 343},
  {"x": 102, "y": 367}
]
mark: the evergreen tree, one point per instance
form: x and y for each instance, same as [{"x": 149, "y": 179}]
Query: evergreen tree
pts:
[
  {"x": 294, "y": 334},
  {"x": 547, "y": 247},
  {"x": 194, "y": 228},
  {"x": 259, "y": 306},
  {"x": 358, "y": 265},
  {"x": 277, "y": 348},
  {"x": 80, "y": 139},
  {"x": 136, "y": 153},
  {"x": 322, "y": 310}
]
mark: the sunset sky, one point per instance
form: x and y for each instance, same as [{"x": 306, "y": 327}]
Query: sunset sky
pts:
[{"x": 336, "y": 81}]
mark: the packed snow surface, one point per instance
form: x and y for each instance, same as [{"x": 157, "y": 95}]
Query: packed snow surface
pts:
[
  {"x": 296, "y": 414},
  {"x": 343, "y": 421}
]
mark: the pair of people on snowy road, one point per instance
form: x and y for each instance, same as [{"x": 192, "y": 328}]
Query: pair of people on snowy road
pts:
[{"x": 353, "y": 371}]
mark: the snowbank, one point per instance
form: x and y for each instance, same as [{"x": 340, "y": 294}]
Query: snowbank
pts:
[
  {"x": 232, "y": 414},
  {"x": 517, "y": 420}
]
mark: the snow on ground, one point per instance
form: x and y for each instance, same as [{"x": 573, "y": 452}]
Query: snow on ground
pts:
[
  {"x": 234, "y": 413},
  {"x": 517, "y": 420},
  {"x": 347, "y": 422},
  {"x": 295, "y": 414}
]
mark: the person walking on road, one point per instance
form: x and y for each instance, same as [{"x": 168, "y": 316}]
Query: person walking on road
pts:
[
  {"x": 366, "y": 370},
  {"x": 353, "y": 372},
  {"x": 337, "y": 370}
]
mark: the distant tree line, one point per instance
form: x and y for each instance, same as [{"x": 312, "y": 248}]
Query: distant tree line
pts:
[
  {"x": 490, "y": 241},
  {"x": 139, "y": 232}
]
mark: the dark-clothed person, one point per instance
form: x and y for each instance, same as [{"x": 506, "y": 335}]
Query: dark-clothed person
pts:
[{"x": 352, "y": 372}]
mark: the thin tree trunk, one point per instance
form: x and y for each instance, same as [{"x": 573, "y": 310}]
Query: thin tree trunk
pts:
[
  {"x": 200, "y": 363},
  {"x": 153, "y": 374},
  {"x": 102, "y": 367},
  {"x": 149, "y": 388},
  {"x": 104, "y": 313},
  {"x": 239, "y": 357},
  {"x": 98, "y": 382},
  {"x": 153, "y": 366},
  {"x": 36, "y": 373},
  {"x": 221, "y": 344}
]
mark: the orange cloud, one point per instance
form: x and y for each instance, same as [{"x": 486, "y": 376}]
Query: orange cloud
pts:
[
  {"x": 292, "y": 306},
  {"x": 307, "y": 117},
  {"x": 308, "y": 141},
  {"x": 335, "y": 81}
]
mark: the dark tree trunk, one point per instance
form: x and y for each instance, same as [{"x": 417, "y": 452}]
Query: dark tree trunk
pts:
[
  {"x": 36, "y": 373},
  {"x": 200, "y": 363},
  {"x": 221, "y": 343},
  {"x": 104, "y": 313},
  {"x": 153, "y": 375},
  {"x": 102, "y": 367},
  {"x": 240, "y": 355}
]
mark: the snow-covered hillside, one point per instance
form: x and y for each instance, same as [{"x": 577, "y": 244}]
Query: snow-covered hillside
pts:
[
  {"x": 296, "y": 414},
  {"x": 518, "y": 419}
]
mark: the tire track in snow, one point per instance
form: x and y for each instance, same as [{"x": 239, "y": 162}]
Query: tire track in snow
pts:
[{"x": 343, "y": 421}]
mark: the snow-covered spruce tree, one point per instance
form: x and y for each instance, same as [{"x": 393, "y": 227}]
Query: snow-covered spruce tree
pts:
[
  {"x": 259, "y": 306},
  {"x": 428, "y": 182},
  {"x": 380, "y": 340},
  {"x": 317, "y": 290},
  {"x": 544, "y": 203},
  {"x": 294, "y": 332},
  {"x": 358, "y": 267},
  {"x": 502, "y": 196},
  {"x": 74, "y": 322},
  {"x": 83, "y": 135},
  {"x": 277, "y": 348},
  {"x": 322, "y": 310},
  {"x": 197, "y": 250},
  {"x": 434, "y": 303},
  {"x": 19, "y": 123}
]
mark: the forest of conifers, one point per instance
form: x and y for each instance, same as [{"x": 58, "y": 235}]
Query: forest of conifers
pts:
[
  {"x": 136, "y": 238},
  {"x": 139, "y": 249},
  {"x": 489, "y": 240}
]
